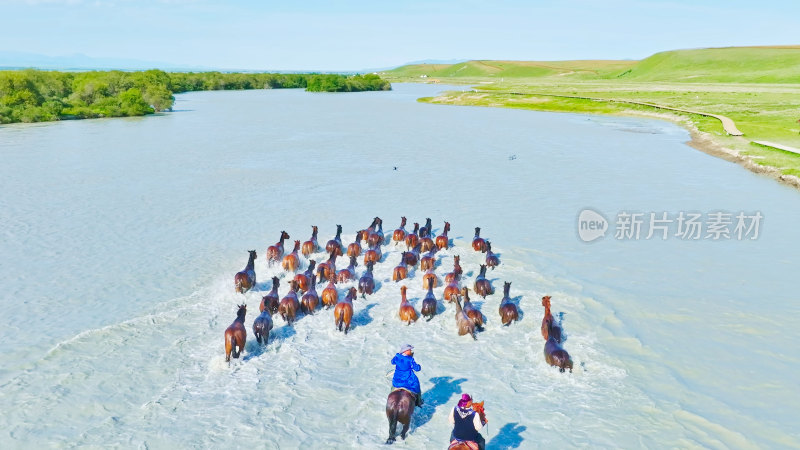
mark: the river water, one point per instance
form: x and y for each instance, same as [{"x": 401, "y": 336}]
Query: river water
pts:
[{"x": 120, "y": 239}]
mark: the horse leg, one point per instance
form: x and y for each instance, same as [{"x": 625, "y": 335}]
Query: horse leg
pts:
[
  {"x": 405, "y": 429},
  {"x": 392, "y": 428}
]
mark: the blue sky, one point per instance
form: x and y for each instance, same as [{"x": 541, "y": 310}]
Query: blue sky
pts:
[{"x": 352, "y": 35}]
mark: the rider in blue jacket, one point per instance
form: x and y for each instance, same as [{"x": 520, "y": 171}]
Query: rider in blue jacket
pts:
[{"x": 404, "y": 376}]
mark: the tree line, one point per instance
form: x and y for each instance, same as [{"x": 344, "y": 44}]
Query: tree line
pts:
[{"x": 36, "y": 96}]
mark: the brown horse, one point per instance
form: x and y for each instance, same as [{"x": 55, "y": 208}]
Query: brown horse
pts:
[
  {"x": 412, "y": 239},
  {"x": 373, "y": 255},
  {"x": 471, "y": 311},
  {"x": 428, "y": 260},
  {"x": 464, "y": 323},
  {"x": 455, "y": 275},
  {"x": 401, "y": 270},
  {"x": 327, "y": 270},
  {"x": 354, "y": 249},
  {"x": 425, "y": 240},
  {"x": 291, "y": 261},
  {"x": 304, "y": 279},
  {"x": 483, "y": 287},
  {"x": 330, "y": 296},
  {"x": 412, "y": 256},
  {"x": 310, "y": 299},
  {"x": 243, "y": 281},
  {"x": 366, "y": 284},
  {"x": 270, "y": 301},
  {"x": 311, "y": 246},
  {"x": 429, "y": 277},
  {"x": 289, "y": 304},
  {"x": 336, "y": 242},
  {"x": 555, "y": 355},
  {"x": 275, "y": 252},
  {"x": 343, "y": 312},
  {"x": 262, "y": 326},
  {"x": 442, "y": 241},
  {"x": 508, "y": 310},
  {"x": 375, "y": 237},
  {"x": 399, "y": 234},
  {"x": 452, "y": 288},
  {"x": 478, "y": 244},
  {"x": 550, "y": 328},
  {"x": 491, "y": 258},
  {"x": 399, "y": 408},
  {"x": 348, "y": 273},
  {"x": 429, "y": 304},
  {"x": 407, "y": 312},
  {"x": 236, "y": 335}
]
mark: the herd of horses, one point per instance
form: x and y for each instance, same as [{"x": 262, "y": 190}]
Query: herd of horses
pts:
[{"x": 421, "y": 247}]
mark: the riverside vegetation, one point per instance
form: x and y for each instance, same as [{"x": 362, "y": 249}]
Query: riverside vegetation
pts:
[{"x": 36, "y": 96}]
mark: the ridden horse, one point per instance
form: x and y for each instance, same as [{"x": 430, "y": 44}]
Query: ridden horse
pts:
[
  {"x": 429, "y": 277},
  {"x": 262, "y": 326},
  {"x": 275, "y": 252},
  {"x": 555, "y": 355},
  {"x": 442, "y": 241},
  {"x": 412, "y": 239},
  {"x": 270, "y": 301},
  {"x": 373, "y": 255},
  {"x": 289, "y": 304},
  {"x": 478, "y": 244},
  {"x": 483, "y": 287},
  {"x": 243, "y": 281},
  {"x": 311, "y": 246},
  {"x": 550, "y": 328},
  {"x": 366, "y": 284},
  {"x": 336, "y": 242},
  {"x": 236, "y": 335},
  {"x": 471, "y": 311},
  {"x": 291, "y": 261},
  {"x": 412, "y": 256},
  {"x": 455, "y": 275},
  {"x": 399, "y": 408},
  {"x": 401, "y": 270},
  {"x": 375, "y": 237},
  {"x": 464, "y": 323},
  {"x": 327, "y": 270},
  {"x": 399, "y": 234},
  {"x": 429, "y": 259},
  {"x": 310, "y": 299},
  {"x": 304, "y": 279},
  {"x": 354, "y": 249},
  {"x": 407, "y": 312},
  {"x": 508, "y": 310},
  {"x": 329, "y": 295},
  {"x": 343, "y": 312},
  {"x": 348, "y": 273},
  {"x": 491, "y": 258},
  {"x": 429, "y": 303}
]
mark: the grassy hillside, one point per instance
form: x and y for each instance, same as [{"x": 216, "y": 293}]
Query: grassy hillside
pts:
[{"x": 514, "y": 69}]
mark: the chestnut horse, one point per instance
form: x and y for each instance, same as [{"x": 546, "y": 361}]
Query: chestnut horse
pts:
[
  {"x": 508, "y": 310},
  {"x": 455, "y": 275},
  {"x": 354, "y": 249},
  {"x": 366, "y": 284},
  {"x": 348, "y": 273},
  {"x": 291, "y": 261},
  {"x": 491, "y": 259},
  {"x": 429, "y": 277},
  {"x": 243, "y": 281},
  {"x": 464, "y": 323},
  {"x": 483, "y": 287},
  {"x": 289, "y": 304},
  {"x": 399, "y": 408},
  {"x": 304, "y": 279},
  {"x": 407, "y": 312},
  {"x": 236, "y": 335},
  {"x": 452, "y": 288},
  {"x": 330, "y": 296},
  {"x": 375, "y": 237},
  {"x": 275, "y": 252},
  {"x": 399, "y": 234},
  {"x": 336, "y": 242},
  {"x": 550, "y": 328},
  {"x": 310, "y": 299},
  {"x": 262, "y": 326},
  {"x": 327, "y": 269},
  {"x": 270, "y": 301},
  {"x": 412, "y": 239},
  {"x": 401, "y": 270},
  {"x": 373, "y": 255},
  {"x": 471, "y": 311},
  {"x": 429, "y": 304},
  {"x": 478, "y": 244},
  {"x": 429, "y": 259},
  {"x": 311, "y": 246},
  {"x": 425, "y": 239},
  {"x": 555, "y": 355},
  {"x": 343, "y": 312},
  {"x": 442, "y": 241}
]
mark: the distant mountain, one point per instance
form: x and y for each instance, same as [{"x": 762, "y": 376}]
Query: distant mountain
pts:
[{"x": 19, "y": 60}]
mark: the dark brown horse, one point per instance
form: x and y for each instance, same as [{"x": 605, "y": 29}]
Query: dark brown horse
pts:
[
  {"x": 455, "y": 275},
  {"x": 310, "y": 299},
  {"x": 311, "y": 246},
  {"x": 375, "y": 237},
  {"x": 236, "y": 335},
  {"x": 270, "y": 301},
  {"x": 412, "y": 256},
  {"x": 550, "y": 328},
  {"x": 491, "y": 258},
  {"x": 399, "y": 408},
  {"x": 442, "y": 241},
  {"x": 336, "y": 242},
  {"x": 478, "y": 244},
  {"x": 291, "y": 261},
  {"x": 275, "y": 252},
  {"x": 428, "y": 260},
  {"x": 555, "y": 355},
  {"x": 343, "y": 312},
  {"x": 243, "y": 281},
  {"x": 399, "y": 234},
  {"x": 429, "y": 303},
  {"x": 354, "y": 249},
  {"x": 508, "y": 310},
  {"x": 330, "y": 296},
  {"x": 471, "y": 311},
  {"x": 289, "y": 304},
  {"x": 412, "y": 239},
  {"x": 483, "y": 287},
  {"x": 262, "y": 326},
  {"x": 407, "y": 312},
  {"x": 348, "y": 273},
  {"x": 366, "y": 284},
  {"x": 401, "y": 270},
  {"x": 304, "y": 279},
  {"x": 327, "y": 270}
]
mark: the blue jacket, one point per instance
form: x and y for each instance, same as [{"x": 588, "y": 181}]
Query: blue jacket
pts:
[{"x": 404, "y": 376}]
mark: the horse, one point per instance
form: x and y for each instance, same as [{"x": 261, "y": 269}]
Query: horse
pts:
[
  {"x": 275, "y": 252},
  {"x": 508, "y": 310},
  {"x": 327, "y": 270},
  {"x": 429, "y": 303},
  {"x": 399, "y": 234},
  {"x": 407, "y": 312},
  {"x": 452, "y": 288},
  {"x": 304, "y": 279},
  {"x": 262, "y": 326},
  {"x": 311, "y": 246},
  {"x": 549, "y": 326},
  {"x": 429, "y": 276},
  {"x": 483, "y": 287},
  {"x": 464, "y": 323},
  {"x": 478, "y": 244},
  {"x": 329, "y": 295},
  {"x": 429, "y": 259},
  {"x": 236, "y": 335},
  {"x": 289, "y": 304},
  {"x": 336, "y": 242},
  {"x": 455, "y": 275},
  {"x": 471, "y": 311},
  {"x": 442, "y": 241},
  {"x": 401, "y": 270},
  {"x": 491, "y": 258},
  {"x": 373, "y": 255},
  {"x": 343, "y": 312},
  {"x": 366, "y": 284},
  {"x": 244, "y": 281},
  {"x": 399, "y": 408},
  {"x": 270, "y": 301},
  {"x": 291, "y": 262},
  {"x": 375, "y": 237},
  {"x": 412, "y": 256},
  {"x": 310, "y": 299},
  {"x": 348, "y": 273},
  {"x": 354, "y": 249},
  {"x": 425, "y": 239},
  {"x": 412, "y": 239},
  {"x": 556, "y": 356}
]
